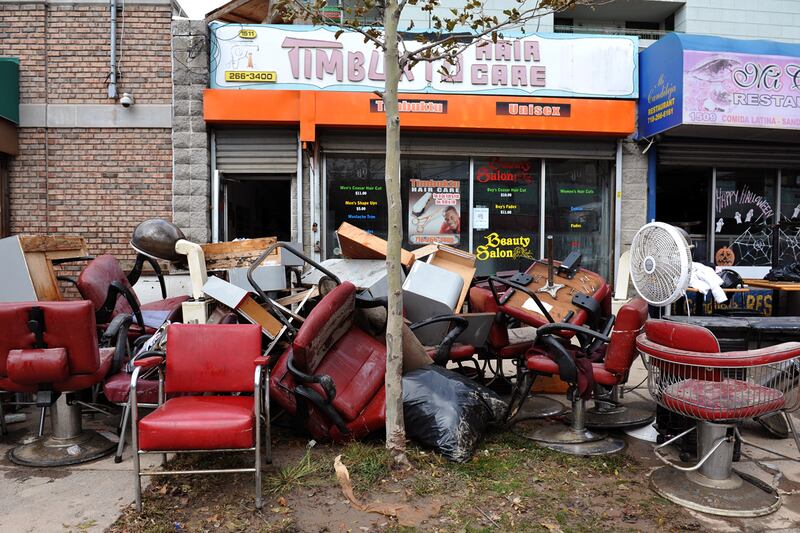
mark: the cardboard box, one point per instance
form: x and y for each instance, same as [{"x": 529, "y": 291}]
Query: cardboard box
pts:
[{"x": 359, "y": 244}]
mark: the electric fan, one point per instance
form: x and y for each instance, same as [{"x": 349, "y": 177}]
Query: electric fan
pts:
[{"x": 661, "y": 263}]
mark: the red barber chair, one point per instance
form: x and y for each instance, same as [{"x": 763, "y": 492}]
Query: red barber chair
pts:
[
  {"x": 110, "y": 290},
  {"x": 553, "y": 356},
  {"x": 331, "y": 379},
  {"x": 50, "y": 349},
  {"x": 688, "y": 375},
  {"x": 221, "y": 359}
]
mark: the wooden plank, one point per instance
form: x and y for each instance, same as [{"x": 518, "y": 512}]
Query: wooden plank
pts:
[
  {"x": 53, "y": 243},
  {"x": 256, "y": 314},
  {"x": 286, "y": 301},
  {"x": 238, "y": 254},
  {"x": 43, "y": 277},
  {"x": 359, "y": 244}
]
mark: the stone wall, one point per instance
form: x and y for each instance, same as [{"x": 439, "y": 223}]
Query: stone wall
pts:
[
  {"x": 634, "y": 191},
  {"x": 191, "y": 166}
]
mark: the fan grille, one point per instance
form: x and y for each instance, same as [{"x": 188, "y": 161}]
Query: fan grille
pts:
[{"x": 660, "y": 266}]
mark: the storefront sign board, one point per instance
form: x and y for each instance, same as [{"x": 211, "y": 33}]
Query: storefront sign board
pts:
[
  {"x": 521, "y": 64},
  {"x": 711, "y": 81}
]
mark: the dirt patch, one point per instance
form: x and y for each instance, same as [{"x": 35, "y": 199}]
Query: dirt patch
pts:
[{"x": 509, "y": 485}]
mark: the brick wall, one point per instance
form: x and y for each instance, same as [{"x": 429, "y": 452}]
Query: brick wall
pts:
[{"x": 94, "y": 182}]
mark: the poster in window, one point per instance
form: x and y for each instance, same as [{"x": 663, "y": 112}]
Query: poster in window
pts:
[
  {"x": 506, "y": 194},
  {"x": 434, "y": 211},
  {"x": 361, "y": 203}
]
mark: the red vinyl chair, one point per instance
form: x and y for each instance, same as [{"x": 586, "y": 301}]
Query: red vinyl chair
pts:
[
  {"x": 110, "y": 290},
  {"x": 552, "y": 356},
  {"x": 688, "y": 375},
  {"x": 331, "y": 379},
  {"x": 220, "y": 359},
  {"x": 50, "y": 349}
]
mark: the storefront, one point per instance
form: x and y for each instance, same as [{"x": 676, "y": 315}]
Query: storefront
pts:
[
  {"x": 721, "y": 118},
  {"x": 522, "y": 141}
]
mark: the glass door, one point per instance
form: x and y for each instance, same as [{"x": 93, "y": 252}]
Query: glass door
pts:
[
  {"x": 505, "y": 214},
  {"x": 578, "y": 211}
]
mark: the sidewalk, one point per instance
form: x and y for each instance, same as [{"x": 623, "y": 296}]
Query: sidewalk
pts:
[{"x": 87, "y": 497}]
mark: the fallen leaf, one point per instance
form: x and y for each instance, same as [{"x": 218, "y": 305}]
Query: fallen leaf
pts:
[{"x": 282, "y": 501}]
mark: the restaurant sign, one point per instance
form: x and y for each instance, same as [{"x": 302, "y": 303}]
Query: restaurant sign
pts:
[
  {"x": 711, "y": 81},
  {"x": 522, "y": 64}
]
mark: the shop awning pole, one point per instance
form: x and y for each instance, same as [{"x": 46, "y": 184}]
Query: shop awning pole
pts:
[{"x": 617, "y": 209}]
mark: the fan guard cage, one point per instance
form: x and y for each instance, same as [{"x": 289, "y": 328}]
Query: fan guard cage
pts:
[{"x": 660, "y": 263}]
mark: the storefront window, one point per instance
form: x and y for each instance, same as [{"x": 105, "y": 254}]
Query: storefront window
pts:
[
  {"x": 744, "y": 202},
  {"x": 435, "y": 194},
  {"x": 578, "y": 211},
  {"x": 682, "y": 200},
  {"x": 790, "y": 217},
  {"x": 356, "y": 195},
  {"x": 505, "y": 216},
  {"x": 436, "y": 202}
]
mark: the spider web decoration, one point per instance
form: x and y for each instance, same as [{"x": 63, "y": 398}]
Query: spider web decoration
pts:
[
  {"x": 790, "y": 245},
  {"x": 754, "y": 246}
]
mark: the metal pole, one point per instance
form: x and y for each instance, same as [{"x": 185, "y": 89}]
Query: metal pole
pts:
[{"x": 112, "y": 79}]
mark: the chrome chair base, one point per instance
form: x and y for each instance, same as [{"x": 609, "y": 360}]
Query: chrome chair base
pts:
[{"x": 740, "y": 495}]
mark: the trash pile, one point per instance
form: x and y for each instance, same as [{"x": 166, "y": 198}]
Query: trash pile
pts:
[{"x": 323, "y": 324}]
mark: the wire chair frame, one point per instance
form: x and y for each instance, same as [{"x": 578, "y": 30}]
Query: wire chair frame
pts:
[{"x": 718, "y": 392}]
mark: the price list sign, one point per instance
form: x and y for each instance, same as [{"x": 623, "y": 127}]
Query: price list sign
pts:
[
  {"x": 506, "y": 214},
  {"x": 361, "y": 203}
]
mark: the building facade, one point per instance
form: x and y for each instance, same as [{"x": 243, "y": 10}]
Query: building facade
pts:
[{"x": 85, "y": 164}]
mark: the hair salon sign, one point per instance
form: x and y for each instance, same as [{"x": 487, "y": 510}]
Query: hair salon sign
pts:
[{"x": 311, "y": 58}]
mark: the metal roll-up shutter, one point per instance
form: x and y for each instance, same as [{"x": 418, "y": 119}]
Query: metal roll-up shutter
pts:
[
  {"x": 706, "y": 153},
  {"x": 479, "y": 145},
  {"x": 256, "y": 150}
]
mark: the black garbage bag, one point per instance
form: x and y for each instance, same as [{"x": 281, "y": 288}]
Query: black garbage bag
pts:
[
  {"x": 445, "y": 411},
  {"x": 789, "y": 272}
]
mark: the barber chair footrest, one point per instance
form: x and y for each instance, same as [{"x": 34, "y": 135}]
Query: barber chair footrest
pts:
[
  {"x": 564, "y": 439},
  {"x": 49, "y": 451},
  {"x": 621, "y": 416},
  {"x": 537, "y": 406},
  {"x": 750, "y": 498}
]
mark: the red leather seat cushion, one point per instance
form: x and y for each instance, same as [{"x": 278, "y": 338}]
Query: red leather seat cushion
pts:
[
  {"x": 357, "y": 365},
  {"x": 729, "y": 399},
  {"x": 325, "y": 325},
  {"x": 199, "y": 423},
  {"x": 84, "y": 381},
  {"x": 37, "y": 365},
  {"x": 360, "y": 395},
  {"x": 541, "y": 363},
  {"x": 118, "y": 386}
]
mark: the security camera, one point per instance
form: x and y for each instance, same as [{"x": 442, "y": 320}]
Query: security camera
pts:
[{"x": 126, "y": 100}]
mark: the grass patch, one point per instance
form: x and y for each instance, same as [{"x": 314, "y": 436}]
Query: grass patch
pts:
[
  {"x": 295, "y": 475},
  {"x": 367, "y": 463}
]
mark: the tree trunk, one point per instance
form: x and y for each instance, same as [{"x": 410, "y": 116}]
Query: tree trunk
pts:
[{"x": 395, "y": 427}]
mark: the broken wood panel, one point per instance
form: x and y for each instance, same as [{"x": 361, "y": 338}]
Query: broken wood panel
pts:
[
  {"x": 238, "y": 254},
  {"x": 359, "y": 244},
  {"x": 54, "y": 243},
  {"x": 43, "y": 277}
]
